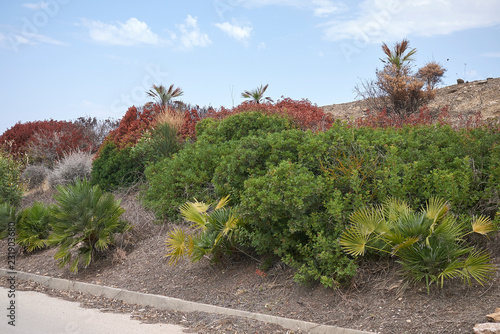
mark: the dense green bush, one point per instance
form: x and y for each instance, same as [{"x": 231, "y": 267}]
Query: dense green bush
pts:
[
  {"x": 239, "y": 126},
  {"x": 284, "y": 215},
  {"x": 33, "y": 227},
  {"x": 115, "y": 167},
  {"x": 10, "y": 176},
  {"x": 189, "y": 173},
  {"x": 85, "y": 220},
  {"x": 297, "y": 189}
]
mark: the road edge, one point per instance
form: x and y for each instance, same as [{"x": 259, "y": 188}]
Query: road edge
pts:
[{"x": 175, "y": 304}]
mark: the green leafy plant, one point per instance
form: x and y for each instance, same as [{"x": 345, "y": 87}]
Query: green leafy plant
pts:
[
  {"x": 8, "y": 215},
  {"x": 430, "y": 244},
  {"x": 10, "y": 176},
  {"x": 116, "y": 167},
  {"x": 33, "y": 227},
  {"x": 157, "y": 144},
  {"x": 85, "y": 220},
  {"x": 215, "y": 231}
]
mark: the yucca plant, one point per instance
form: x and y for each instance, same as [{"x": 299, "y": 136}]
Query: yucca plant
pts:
[
  {"x": 257, "y": 95},
  {"x": 215, "y": 230},
  {"x": 430, "y": 244},
  {"x": 163, "y": 95},
  {"x": 33, "y": 227},
  {"x": 85, "y": 220},
  {"x": 7, "y": 214}
]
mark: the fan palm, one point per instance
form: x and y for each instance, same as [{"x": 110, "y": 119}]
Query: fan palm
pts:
[
  {"x": 215, "y": 230},
  {"x": 163, "y": 95},
  {"x": 430, "y": 244},
  {"x": 33, "y": 227},
  {"x": 85, "y": 220},
  {"x": 257, "y": 95}
]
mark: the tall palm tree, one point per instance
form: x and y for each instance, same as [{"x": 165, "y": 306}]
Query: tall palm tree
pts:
[
  {"x": 257, "y": 95},
  {"x": 163, "y": 96},
  {"x": 397, "y": 56}
]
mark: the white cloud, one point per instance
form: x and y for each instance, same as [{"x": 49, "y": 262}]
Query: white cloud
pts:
[
  {"x": 14, "y": 40},
  {"x": 320, "y": 8},
  {"x": 133, "y": 32},
  {"x": 324, "y": 8},
  {"x": 395, "y": 19},
  {"x": 240, "y": 33},
  {"x": 36, "y": 6},
  {"x": 191, "y": 34},
  {"x": 262, "y": 45}
]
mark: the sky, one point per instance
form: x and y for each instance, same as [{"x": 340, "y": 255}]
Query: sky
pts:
[{"x": 64, "y": 59}]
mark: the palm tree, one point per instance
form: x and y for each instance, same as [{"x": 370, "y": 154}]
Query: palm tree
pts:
[
  {"x": 163, "y": 96},
  {"x": 429, "y": 244},
  {"x": 397, "y": 56},
  {"x": 257, "y": 95}
]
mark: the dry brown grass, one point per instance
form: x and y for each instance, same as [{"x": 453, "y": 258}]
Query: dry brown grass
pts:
[{"x": 174, "y": 118}]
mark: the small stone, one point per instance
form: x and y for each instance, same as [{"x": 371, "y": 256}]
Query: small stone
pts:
[
  {"x": 494, "y": 317},
  {"x": 487, "y": 328},
  {"x": 408, "y": 321}
]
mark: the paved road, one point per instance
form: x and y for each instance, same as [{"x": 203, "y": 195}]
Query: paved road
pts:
[{"x": 38, "y": 313}]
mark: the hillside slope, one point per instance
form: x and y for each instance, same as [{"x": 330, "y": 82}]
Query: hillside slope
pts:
[{"x": 465, "y": 99}]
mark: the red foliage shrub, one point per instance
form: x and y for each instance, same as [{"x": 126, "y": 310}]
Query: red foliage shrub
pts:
[
  {"x": 188, "y": 129},
  {"x": 133, "y": 124},
  {"x": 46, "y": 140}
]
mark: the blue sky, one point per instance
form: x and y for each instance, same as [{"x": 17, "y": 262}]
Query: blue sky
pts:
[{"x": 63, "y": 59}]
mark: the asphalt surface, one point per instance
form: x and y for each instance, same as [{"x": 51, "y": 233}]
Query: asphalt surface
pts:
[{"x": 34, "y": 312}]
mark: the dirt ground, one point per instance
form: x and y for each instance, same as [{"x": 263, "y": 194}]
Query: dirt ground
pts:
[{"x": 377, "y": 300}]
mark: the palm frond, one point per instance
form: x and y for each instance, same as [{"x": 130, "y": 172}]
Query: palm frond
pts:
[
  {"x": 482, "y": 225},
  {"x": 194, "y": 213},
  {"x": 436, "y": 208},
  {"x": 178, "y": 246},
  {"x": 478, "y": 266}
]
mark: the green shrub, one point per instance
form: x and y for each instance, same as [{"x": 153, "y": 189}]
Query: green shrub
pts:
[
  {"x": 429, "y": 244},
  {"x": 253, "y": 155},
  {"x": 71, "y": 168},
  {"x": 8, "y": 215},
  {"x": 10, "y": 174},
  {"x": 216, "y": 228},
  {"x": 157, "y": 144},
  {"x": 239, "y": 126},
  {"x": 33, "y": 227},
  {"x": 115, "y": 167},
  {"x": 283, "y": 215},
  {"x": 85, "y": 220},
  {"x": 189, "y": 173}
]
